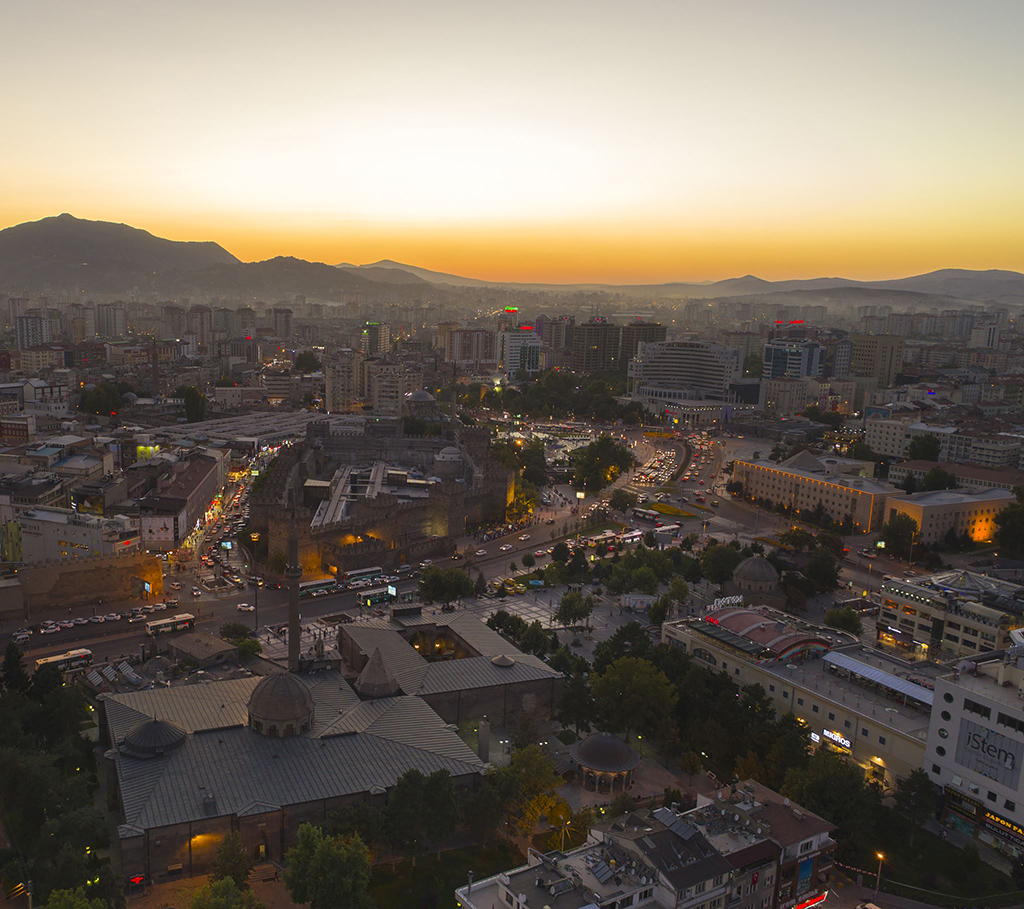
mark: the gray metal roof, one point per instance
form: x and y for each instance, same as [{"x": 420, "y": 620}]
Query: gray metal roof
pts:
[
  {"x": 480, "y": 672},
  {"x": 407, "y": 666},
  {"x": 880, "y": 677},
  {"x": 243, "y": 770}
]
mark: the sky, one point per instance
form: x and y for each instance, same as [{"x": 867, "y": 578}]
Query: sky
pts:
[{"x": 531, "y": 141}]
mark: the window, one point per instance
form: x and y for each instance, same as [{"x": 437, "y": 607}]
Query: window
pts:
[
  {"x": 1005, "y": 720},
  {"x": 947, "y": 717},
  {"x": 700, "y": 887},
  {"x": 771, "y": 687},
  {"x": 948, "y": 698},
  {"x": 831, "y": 716},
  {"x": 800, "y": 702},
  {"x": 881, "y": 740},
  {"x": 975, "y": 707},
  {"x": 646, "y": 894},
  {"x": 991, "y": 796},
  {"x": 737, "y": 670},
  {"x": 848, "y": 724},
  {"x": 814, "y": 707},
  {"x": 715, "y": 903},
  {"x": 940, "y": 751},
  {"x": 806, "y": 847},
  {"x": 936, "y": 769},
  {"x": 508, "y": 898},
  {"x": 785, "y": 694},
  {"x": 1010, "y": 806},
  {"x": 864, "y": 731}
]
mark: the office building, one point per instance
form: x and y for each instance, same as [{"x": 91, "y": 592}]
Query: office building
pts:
[
  {"x": 984, "y": 336},
  {"x": 110, "y": 321},
  {"x": 175, "y": 320},
  {"x": 879, "y": 356},
  {"x": 200, "y": 325},
  {"x": 838, "y": 358},
  {"x": 945, "y": 514},
  {"x": 224, "y": 321},
  {"x": 282, "y": 322},
  {"x": 782, "y": 397},
  {"x": 792, "y": 358},
  {"x": 968, "y": 476},
  {"x": 633, "y": 334},
  {"x": 472, "y": 348},
  {"x": 245, "y": 320},
  {"x": 704, "y": 369},
  {"x": 556, "y": 333},
  {"x": 518, "y": 349},
  {"x": 62, "y": 535},
  {"x": 805, "y": 482},
  {"x": 375, "y": 339},
  {"x": 595, "y": 345},
  {"x": 976, "y": 748}
]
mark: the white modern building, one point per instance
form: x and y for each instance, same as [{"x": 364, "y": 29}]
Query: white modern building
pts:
[
  {"x": 518, "y": 348},
  {"x": 698, "y": 368}
]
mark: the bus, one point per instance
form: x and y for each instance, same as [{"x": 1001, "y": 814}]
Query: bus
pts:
[
  {"x": 317, "y": 588},
  {"x": 73, "y": 659},
  {"x": 182, "y": 622},
  {"x": 375, "y": 596},
  {"x": 602, "y": 539},
  {"x": 646, "y": 514},
  {"x": 362, "y": 574}
]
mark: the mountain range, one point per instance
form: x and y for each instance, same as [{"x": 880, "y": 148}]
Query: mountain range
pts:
[{"x": 101, "y": 256}]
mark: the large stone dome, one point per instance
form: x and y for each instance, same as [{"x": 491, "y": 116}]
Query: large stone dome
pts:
[
  {"x": 756, "y": 570},
  {"x": 420, "y": 396},
  {"x": 604, "y": 753},
  {"x": 151, "y": 738},
  {"x": 281, "y": 705}
]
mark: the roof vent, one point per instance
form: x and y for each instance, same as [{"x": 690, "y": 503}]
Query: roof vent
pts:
[{"x": 503, "y": 659}]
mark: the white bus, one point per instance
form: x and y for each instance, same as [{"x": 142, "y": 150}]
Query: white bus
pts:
[
  {"x": 73, "y": 659},
  {"x": 362, "y": 574},
  {"x": 602, "y": 539},
  {"x": 183, "y": 622}
]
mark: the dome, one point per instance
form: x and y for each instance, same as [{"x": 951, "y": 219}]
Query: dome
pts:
[
  {"x": 281, "y": 705},
  {"x": 420, "y": 396},
  {"x": 450, "y": 452},
  {"x": 129, "y": 397},
  {"x": 756, "y": 569},
  {"x": 152, "y": 738},
  {"x": 604, "y": 753},
  {"x": 503, "y": 660}
]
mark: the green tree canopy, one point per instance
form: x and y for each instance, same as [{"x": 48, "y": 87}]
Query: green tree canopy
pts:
[
  {"x": 937, "y": 478},
  {"x": 844, "y": 619},
  {"x": 822, "y": 569},
  {"x": 622, "y": 500},
  {"x": 1010, "y": 525},
  {"x": 443, "y": 585},
  {"x": 328, "y": 872},
  {"x": 74, "y": 899},
  {"x": 598, "y": 464},
  {"x": 718, "y": 562},
  {"x": 632, "y": 695},
  {"x": 13, "y": 675},
  {"x": 924, "y": 448},
  {"x": 306, "y": 362},
  {"x": 233, "y": 861},
  {"x": 900, "y": 534},
  {"x": 224, "y": 894},
  {"x": 576, "y": 707}
]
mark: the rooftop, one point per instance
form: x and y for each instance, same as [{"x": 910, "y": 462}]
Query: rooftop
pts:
[{"x": 957, "y": 496}]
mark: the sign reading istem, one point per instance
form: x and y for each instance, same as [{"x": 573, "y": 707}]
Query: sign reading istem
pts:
[{"x": 987, "y": 752}]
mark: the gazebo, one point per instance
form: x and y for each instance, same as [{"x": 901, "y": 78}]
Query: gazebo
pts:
[{"x": 603, "y": 762}]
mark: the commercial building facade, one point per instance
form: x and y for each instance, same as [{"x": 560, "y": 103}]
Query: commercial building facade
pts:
[{"x": 971, "y": 513}]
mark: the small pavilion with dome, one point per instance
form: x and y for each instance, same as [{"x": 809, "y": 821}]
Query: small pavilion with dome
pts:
[{"x": 603, "y": 762}]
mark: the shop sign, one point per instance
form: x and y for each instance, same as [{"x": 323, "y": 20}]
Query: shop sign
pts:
[
  {"x": 1008, "y": 830},
  {"x": 962, "y": 804},
  {"x": 836, "y": 738}
]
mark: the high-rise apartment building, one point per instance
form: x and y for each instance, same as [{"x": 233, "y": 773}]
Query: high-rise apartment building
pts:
[
  {"x": 556, "y": 333},
  {"x": 635, "y": 333},
  {"x": 224, "y": 321},
  {"x": 282, "y": 322},
  {"x": 245, "y": 320},
  {"x": 880, "y": 356},
  {"x": 341, "y": 373},
  {"x": 472, "y": 348},
  {"x": 519, "y": 349},
  {"x": 110, "y": 321},
  {"x": 175, "y": 320},
  {"x": 32, "y": 329},
  {"x": 595, "y": 345},
  {"x": 788, "y": 358},
  {"x": 444, "y": 333},
  {"x": 200, "y": 324},
  {"x": 388, "y": 384}
]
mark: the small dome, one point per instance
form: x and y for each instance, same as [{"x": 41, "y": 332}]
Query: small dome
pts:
[
  {"x": 503, "y": 659},
  {"x": 604, "y": 753},
  {"x": 755, "y": 569},
  {"x": 281, "y": 705},
  {"x": 152, "y": 738},
  {"x": 420, "y": 396},
  {"x": 450, "y": 452}
]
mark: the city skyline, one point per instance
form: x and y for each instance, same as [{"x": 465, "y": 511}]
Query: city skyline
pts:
[{"x": 574, "y": 144}]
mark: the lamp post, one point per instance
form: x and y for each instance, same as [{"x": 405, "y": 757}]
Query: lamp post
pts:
[
  {"x": 255, "y": 537},
  {"x": 878, "y": 877}
]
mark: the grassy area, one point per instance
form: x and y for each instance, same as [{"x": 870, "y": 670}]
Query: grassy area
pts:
[
  {"x": 433, "y": 883},
  {"x": 566, "y": 736},
  {"x": 920, "y": 859}
]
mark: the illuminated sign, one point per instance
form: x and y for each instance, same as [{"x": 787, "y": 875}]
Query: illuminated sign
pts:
[
  {"x": 392, "y": 590},
  {"x": 226, "y": 544},
  {"x": 137, "y": 879},
  {"x": 836, "y": 738},
  {"x": 1008, "y": 830},
  {"x": 511, "y": 309},
  {"x": 815, "y": 737},
  {"x": 813, "y": 901}
]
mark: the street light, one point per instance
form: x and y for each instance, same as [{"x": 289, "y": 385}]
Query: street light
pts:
[
  {"x": 255, "y": 537},
  {"x": 878, "y": 877}
]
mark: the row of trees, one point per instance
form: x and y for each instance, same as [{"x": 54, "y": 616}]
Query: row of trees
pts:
[{"x": 558, "y": 393}]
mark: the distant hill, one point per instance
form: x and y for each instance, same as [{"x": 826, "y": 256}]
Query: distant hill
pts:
[
  {"x": 994, "y": 284},
  {"x": 99, "y": 254},
  {"x": 270, "y": 278},
  {"x": 423, "y": 274}
]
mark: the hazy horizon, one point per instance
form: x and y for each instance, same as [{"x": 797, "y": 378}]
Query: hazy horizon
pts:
[{"x": 569, "y": 143}]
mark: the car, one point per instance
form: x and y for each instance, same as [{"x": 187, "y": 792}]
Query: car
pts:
[
  {"x": 146, "y": 610},
  {"x": 715, "y": 503},
  {"x": 701, "y": 482},
  {"x": 524, "y": 536},
  {"x": 196, "y": 592},
  {"x": 505, "y": 547},
  {"x": 175, "y": 585},
  {"x": 20, "y": 637},
  {"x": 426, "y": 563},
  {"x": 391, "y": 578},
  {"x": 159, "y": 607},
  {"x": 49, "y": 629},
  {"x": 135, "y": 619},
  {"x": 113, "y": 617},
  {"x": 456, "y": 556},
  {"x": 97, "y": 619},
  {"x": 540, "y": 553},
  {"x": 66, "y": 624},
  {"x": 81, "y": 620},
  {"x": 245, "y": 607},
  {"x": 481, "y": 552}
]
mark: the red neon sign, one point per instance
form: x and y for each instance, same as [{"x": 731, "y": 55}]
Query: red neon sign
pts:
[
  {"x": 711, "y": 619},
  {"x": 796, "y": 321},
  {"x": 526, "y": 327},
  {"x": 813, "y": 901},
  {"x": 138, "y": 879}
]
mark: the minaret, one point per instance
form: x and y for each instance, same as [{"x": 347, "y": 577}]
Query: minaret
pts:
[{"x": 293, "y": 572}]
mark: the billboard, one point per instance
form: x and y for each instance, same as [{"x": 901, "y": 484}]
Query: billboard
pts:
[{"x": 990, "y": 754}]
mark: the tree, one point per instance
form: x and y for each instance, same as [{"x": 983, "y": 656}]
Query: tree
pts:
[
  {"x": 861, "y": 451},
  {"x": 405, "y": 817},
  {"x": 234, "y": 631},
  {"x": 718, "y": 563},
  {"x": 690, "y": 764},
  {"x": 576, "y": 707},
  {"x": 512, "y": 567},
  {"x": 574, "y": 609},
  {"x": 535, "y": 782},
  {"x": 195, "y": 403},
  {"x": 822, "y": 569},
  {"x": 798, "y": 538},
  {"x": 845, "y": 620},
  {"x": 630, "y": 640},
  {"x": 13, "y": 674},
  {"x": 560, "y": 552},
  {"x": 442, "y": 585},
  {"x": 362, "y": 819},
  {"x": 1010, "y": 524},
  {"x": 233, "y": 861},
  {"x": 678, "y": 592},
  {"x": 73, "y": 899},
  {"x": 916, "y": 798},
  {"x": 831, "y": 418},
  {"x": 480, "y": 587},
  {"x": 622, "y": 500},
  {"x": 900, "y": 534},
  {"x": 752, "y": 366},
  {"x": 223, "y": 894},
  {"x": 937, "y": 478},
  {"x": 924, "y": 448},
  {"x": 529, "y": 560},
  {"x": 328, "y": 872},
  {"x": 598, "y": 464},
  {"x": 306, "y": 362},
  {"x": 645, "y": 580},
  {"x": 633, "y": 695},
  {"x": 483, "y": 811},
  {"x": 440, "y": 810},
  {"x": 658, "y": 611}
]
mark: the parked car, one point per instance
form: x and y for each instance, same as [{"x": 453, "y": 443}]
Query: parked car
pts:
[{"x": 97, "y": 619}]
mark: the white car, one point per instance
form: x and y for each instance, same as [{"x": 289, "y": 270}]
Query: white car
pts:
[
  {"x": 66, "y": 624},
  {"x": 481, "y": 552},
  {"x": 113, "y": 617},
  {"x": 80, "y": 621},
  {"x": 245, "y": 607},
  {"x": 524, "y": 536},
  {"x": 196, "y": 592},
  {"x": 159, "y": 607},
  {"x": 97, "y": 619},
  {"x": 49, "y": 629},
  {"x": 505, "y": 547}
]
